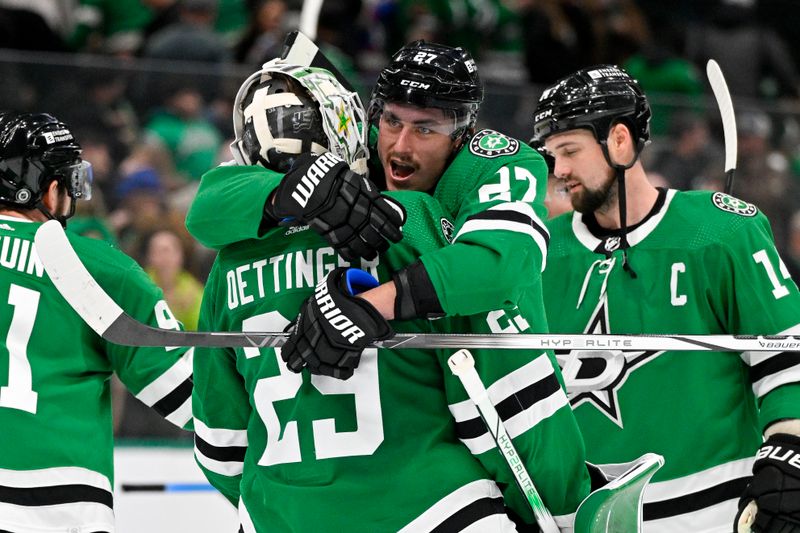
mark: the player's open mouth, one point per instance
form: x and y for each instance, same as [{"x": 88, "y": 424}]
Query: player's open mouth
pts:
[{"x": 400, "y": 170}]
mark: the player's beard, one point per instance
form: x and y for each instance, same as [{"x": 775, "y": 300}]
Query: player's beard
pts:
[{"x": 599, "y": 199}]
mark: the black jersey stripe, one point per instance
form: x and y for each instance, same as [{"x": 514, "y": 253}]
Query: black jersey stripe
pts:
[
  {"x": 55, "y": 495},
  {"x": 220, "y": 453},
  {"x": 511, "y": 406},
  {"x": 695, "y": 501},
  {"x": 773, "y": 365},
  {"x": 509, "y": 215},
  {"x": 176, "y": 397},
  {"x": 469, "y": 514}
]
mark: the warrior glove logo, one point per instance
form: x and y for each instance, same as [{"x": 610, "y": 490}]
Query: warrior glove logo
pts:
[
  {"x": 349, "y": 331},
  {"x": 315, "y": 173}
]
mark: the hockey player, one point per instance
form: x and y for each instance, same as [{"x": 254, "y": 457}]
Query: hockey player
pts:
[
  {"x": 398, "y": 437},
  {"x": 634, "y": 258},
  {"x": 56, "y": 463},
  {"x": 491, "y": 186}
]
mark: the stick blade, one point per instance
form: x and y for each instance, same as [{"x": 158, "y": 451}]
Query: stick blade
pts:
[
  {"x": 72, "y": 280},
  {"x": 723, "y": 96}
]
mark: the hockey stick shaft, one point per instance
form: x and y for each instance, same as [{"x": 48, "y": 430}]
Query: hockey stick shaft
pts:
[
  {"x": 110, "y": 321},
  {"x": 723, "y": 97},
  {"x": 462, "y": 365},
  {"x": 298, "y": 49}
]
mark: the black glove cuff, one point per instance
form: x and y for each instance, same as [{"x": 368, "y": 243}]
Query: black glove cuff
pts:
[{"x": 416, "y": 296}]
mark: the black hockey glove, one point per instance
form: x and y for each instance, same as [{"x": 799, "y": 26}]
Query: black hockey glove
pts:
[
  {"x": 342, "y": 206},
  {"x": 334, "y": 326},
  {"x": 775, "y": 486}
]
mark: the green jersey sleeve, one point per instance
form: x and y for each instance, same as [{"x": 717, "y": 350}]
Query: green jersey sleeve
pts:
[
  {"x": 767, "y": 303},
  {"x": 229, "y": 204},
  {"x": 494, "y": 191},
  {"x": 220, "y": 427},
  {"x": 160, "y": 377}
]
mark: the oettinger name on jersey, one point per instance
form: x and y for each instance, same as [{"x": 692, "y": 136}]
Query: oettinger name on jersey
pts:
[{"x": 596, "y": 376}]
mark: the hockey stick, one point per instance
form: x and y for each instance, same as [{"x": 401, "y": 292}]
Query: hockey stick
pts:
[
  {"x": 108, "y": 319},
  {"x": 300, "y": 50},
  {"x": 723, "y": 96},
  {"x": 462, "y": 365},
  {"x": 309, "y": 17}
]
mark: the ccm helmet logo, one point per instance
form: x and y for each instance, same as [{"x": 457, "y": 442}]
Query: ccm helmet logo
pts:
[
  {"x": 543, "y": 114},
  {"x": 415, "y": 84}
]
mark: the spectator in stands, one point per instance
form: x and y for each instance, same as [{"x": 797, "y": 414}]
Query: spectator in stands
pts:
[
  {"x": 263, "y": 38},
  {"x": 164, "y": 257},
  {"x": 191, "y": 38},
  {"x": 747, "y": 51},
  {"x": 688, "y": 158},
  {"x": 111, "y": 26}
]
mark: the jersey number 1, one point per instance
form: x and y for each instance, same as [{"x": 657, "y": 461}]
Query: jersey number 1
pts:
[{"x": 19, "y": 393}]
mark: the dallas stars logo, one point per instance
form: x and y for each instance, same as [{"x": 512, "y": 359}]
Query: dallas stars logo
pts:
[
  {"x": 489, "y": 143},
  {"x": 344, "y": 120},
  {"x": 596, "y": 376}
]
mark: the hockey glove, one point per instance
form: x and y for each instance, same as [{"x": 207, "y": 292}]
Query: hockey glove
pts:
[
  {"x": 334, "y": 326},
  {"x": 342, "y": 206},
  {"x": 775, "y": 486}
]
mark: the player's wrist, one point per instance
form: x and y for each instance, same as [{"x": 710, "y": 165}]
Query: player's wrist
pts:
[{"x": 416, "y": 295}]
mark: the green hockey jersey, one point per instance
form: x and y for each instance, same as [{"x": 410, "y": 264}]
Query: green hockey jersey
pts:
[
  {"x": 705, "y": 263},
  {"x": 397, "y": 447},
  {"x": 56, "y": 444},
  {"x": 493, "y": 191}
]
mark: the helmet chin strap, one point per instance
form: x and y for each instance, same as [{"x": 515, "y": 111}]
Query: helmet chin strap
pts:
[{"x": 619, "y": 171}]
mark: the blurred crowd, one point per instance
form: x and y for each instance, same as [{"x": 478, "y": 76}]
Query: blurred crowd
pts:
[{"x": 147, "y": 85}]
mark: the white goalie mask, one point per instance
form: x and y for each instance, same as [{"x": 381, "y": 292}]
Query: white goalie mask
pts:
[{"x": 284, "y": 110}]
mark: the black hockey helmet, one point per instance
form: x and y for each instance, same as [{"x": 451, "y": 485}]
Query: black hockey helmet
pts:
[
  {"x": 284, "y": 110},
  {"x": 594, "y": 98},
  {"x": 431, "y": 75},
  {"x": 36, "y": 148}
]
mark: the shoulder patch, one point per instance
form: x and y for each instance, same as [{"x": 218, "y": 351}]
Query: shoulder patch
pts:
[
  {"x": 726, "y": 202},
  {"x": 447, "y": 229},
  {"x": 490, "y": 143}
]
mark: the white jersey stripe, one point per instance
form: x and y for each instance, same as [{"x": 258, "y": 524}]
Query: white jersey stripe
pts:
[
  {"x": 452, "y": 503},
  {"x": 538, "y": 369},
  {"x": 245, "y": 520},
  {"x": 82, "y": 516},
  {"x": 48, "y": 477},
  {"x": 674, "y": 488},
  {"x": 182, "y": 414},
  {"x": 220, "y": 438},
  {"x": 176, "y": 375},
  {"x": 223, "y": 468},
  {"x": 715, "y": 519}
]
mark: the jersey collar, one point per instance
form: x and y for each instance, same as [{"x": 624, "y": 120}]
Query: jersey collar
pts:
[{"x": 601, "y": 240}]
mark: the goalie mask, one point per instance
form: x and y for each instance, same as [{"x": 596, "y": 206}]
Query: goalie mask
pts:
[
  {"x": 36, "y": 148},
  {"x": 285, "y": 110}
]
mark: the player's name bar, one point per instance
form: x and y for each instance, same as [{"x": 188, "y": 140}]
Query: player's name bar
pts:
[{"x": 167, "y": 487}]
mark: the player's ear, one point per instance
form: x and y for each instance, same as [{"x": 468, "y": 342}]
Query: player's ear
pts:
[
  {"x": 51, "y": 195},
  {"x": 620, "y": 143}
]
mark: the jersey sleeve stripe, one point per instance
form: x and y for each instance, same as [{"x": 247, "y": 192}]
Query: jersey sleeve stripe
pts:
[
  {"x": 183, "y": 414},
  {"x": 51, "y": 517},
  {"x": 781, "y": 376},
  {"x": 511, "y": 216},
  {"x": 167, "y": 382},
  {"x": 66, "y": 475},
  {"x": 440, "y": 512},
  {"x": 523, "y": 404},
  {"x": 220, "y": 437},
  {"x": 225, "y": 454},
  {"x": 175, "y": 399}
]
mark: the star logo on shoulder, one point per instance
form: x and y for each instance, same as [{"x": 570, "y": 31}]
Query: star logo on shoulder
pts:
[{"x": 596, "y": 376}]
